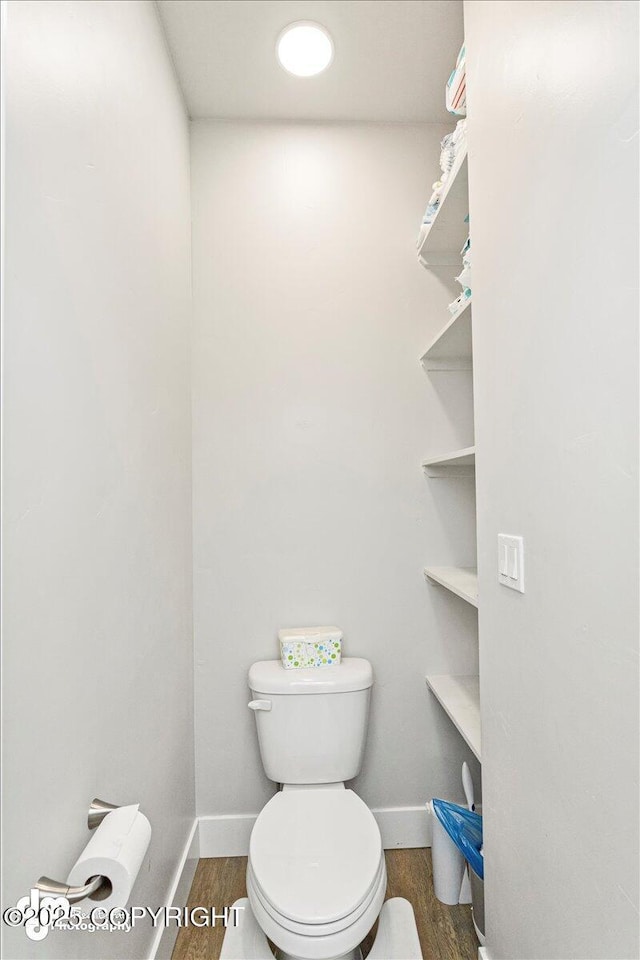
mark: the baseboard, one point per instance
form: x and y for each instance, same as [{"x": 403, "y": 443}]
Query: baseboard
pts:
[
  {"x": 403, "y": 827},
  {"x": 165, "y": 937},
  {"x": 228, "y": 835}
]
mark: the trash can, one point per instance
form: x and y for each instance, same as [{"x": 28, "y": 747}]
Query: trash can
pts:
[
  {"x": 464, "y": 828},
  {"x": 448, "y": 863}
]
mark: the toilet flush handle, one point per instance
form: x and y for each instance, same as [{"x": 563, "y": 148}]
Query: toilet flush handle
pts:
[{"x": 260, "y": 705}]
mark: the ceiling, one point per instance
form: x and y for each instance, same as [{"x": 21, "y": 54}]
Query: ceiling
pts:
[{"x": 392, "y": 58}]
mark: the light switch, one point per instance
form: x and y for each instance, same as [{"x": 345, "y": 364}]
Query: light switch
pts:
[{"x": 511, "y": 562}]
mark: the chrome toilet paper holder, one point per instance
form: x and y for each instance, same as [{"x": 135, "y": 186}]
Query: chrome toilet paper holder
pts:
[{"x": 98, "y": 810}]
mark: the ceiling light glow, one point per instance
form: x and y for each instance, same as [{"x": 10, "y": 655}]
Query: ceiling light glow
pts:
[{"x": 304, "y": 49}]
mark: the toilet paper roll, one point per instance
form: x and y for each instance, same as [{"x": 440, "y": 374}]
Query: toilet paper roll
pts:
[{"x": 116, "y": 850}]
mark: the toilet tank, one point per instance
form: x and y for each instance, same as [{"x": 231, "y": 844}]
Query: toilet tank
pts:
[{"x": 312, "y": 723}]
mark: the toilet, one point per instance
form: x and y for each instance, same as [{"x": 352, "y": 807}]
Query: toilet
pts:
[{"x": 316, "y": 874}]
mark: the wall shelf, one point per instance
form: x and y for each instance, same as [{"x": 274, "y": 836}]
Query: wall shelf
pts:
[
  {"x": 440, "y": 242},
  {"x": 451, "y": 348},
  {"x": 463, "y": 581},
  {"x": 461, "y": 463},
  {"x": 460, "y": 699},
  {"x": 440, "y": 245}
]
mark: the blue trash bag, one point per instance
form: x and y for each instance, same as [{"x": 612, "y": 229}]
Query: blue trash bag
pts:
[{"x": 465, "y": 829}]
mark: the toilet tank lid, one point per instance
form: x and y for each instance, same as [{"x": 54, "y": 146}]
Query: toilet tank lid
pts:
[{"x": 352, "y": 673}]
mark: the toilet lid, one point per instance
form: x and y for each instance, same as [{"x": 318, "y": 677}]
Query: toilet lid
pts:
[{"x": 315, "y": 854}]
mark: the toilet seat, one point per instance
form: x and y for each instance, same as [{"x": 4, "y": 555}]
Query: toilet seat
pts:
[
  {"x": 315, "y": 930},
  {"x": 316, "y": 862}
]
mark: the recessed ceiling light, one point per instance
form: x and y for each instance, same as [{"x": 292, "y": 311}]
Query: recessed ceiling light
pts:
[{"x": 304, "y": 48}]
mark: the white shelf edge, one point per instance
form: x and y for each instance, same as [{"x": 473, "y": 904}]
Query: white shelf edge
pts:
[
  {"x": 449, "y": 363},
  {"x": 442, "y": 258},
  {"x": 460, "y": 699},
  {"x": 462, "y": 581},
  {"x": 453, "y": 361},
  {"x": 461, "y": 463}
]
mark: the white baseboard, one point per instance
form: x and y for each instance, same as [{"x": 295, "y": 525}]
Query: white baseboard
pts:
[
  {"x": 165, "y": 937},
  {"x": 403, "y": 827},
  {"x": 228, "y": 836}
]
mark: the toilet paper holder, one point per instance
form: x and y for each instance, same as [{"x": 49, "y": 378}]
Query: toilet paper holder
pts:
[{"x": 98, "y": 810}]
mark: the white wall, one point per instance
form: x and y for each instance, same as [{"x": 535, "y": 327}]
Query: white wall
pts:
[
  {"x": 553, "y": 178},
  {"x": 311, "y": 417},
  {"x": 97, "y": 544}
]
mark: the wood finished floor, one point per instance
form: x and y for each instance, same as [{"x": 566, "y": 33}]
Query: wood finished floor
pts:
[{"x": 446, "y": 933}]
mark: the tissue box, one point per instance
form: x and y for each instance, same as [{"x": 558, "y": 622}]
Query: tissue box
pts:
[{"x": 310, "y": 647}]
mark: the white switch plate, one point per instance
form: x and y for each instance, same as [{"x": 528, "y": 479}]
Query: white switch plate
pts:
[{"x": 511, "y": 562}]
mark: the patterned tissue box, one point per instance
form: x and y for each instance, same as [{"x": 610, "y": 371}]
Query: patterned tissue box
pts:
[{"x": 310, "y": 647}]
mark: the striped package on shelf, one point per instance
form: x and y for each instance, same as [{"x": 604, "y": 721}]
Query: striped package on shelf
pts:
[{"x": 456, "y": 88}]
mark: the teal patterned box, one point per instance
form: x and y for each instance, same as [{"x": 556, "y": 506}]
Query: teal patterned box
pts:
[{"x": 310, "y": 647}]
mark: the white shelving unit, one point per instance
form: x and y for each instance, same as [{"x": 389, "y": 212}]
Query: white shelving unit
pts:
[
  {"x": 461, "y": 463},
  {"x": 462, "y": 581},
  {"x": 451, "y": 348},
  {"x": 460, "y": 699},
  {"x": 440, "y": 242}
]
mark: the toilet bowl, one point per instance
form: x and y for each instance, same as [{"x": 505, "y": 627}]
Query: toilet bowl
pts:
[{"x": 316, "y": 876}]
